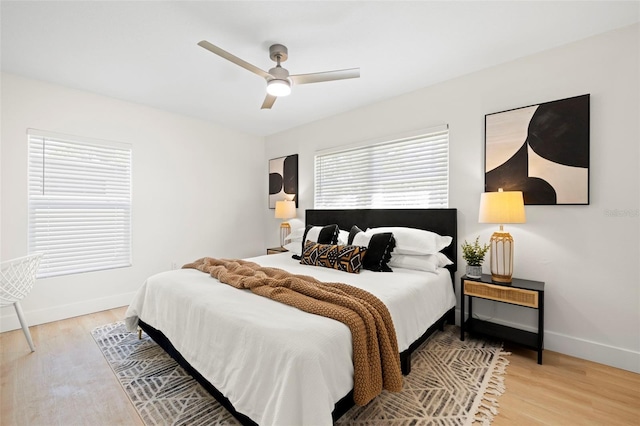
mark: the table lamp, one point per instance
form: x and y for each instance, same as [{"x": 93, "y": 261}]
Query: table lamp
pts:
[
  {"x": 285, "y": 210},
  {"x": 502, "y": 207}
]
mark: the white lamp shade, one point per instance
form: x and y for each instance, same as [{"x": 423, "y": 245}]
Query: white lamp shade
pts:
[
  {"x": 285, "y": 209},
  {"x": 277, "y": 87},
  {"x": 502, "y": 207}
]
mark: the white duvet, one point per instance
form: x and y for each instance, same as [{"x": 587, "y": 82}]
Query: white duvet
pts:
[{"x": 277, "y": 364}]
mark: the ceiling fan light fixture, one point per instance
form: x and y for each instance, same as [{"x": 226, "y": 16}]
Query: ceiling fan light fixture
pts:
[
  {"x": 278, "y": 87},
  {"x": 278, "y": 80}
]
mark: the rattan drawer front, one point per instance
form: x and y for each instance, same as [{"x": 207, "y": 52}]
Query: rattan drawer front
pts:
[{"x": 516, "y": 296}]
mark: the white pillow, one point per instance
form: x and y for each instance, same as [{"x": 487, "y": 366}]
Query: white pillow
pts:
[
  {"x": 343, "y": 237},
  {"x": 443, "y": 260},
  {"x": 294, "y": 247},
  {"x": 296, "y": 223},
  {"x": 295, "y": 235},
  {"x": 414, "y": 241},
  {"x": 428, "y": 263}
]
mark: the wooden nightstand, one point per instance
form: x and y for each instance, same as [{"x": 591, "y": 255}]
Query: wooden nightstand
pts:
[
  {"x": 527, "y": 293},
  {"x": 276, "y": 250}
]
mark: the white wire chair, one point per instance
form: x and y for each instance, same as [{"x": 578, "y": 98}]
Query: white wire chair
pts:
[{"x": 16, "y": 281}]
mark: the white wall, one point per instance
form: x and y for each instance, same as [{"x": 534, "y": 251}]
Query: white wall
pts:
[
  {"x": 587, "y": 257},
  {"x": 196, "y": 190}
]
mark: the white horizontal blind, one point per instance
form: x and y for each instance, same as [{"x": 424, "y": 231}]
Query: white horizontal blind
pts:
[
  {"x": 412, "y": 172},
  {"x": 79, "y": 204}
]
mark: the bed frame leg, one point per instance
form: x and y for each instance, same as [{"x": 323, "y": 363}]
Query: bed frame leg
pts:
[
  {"x": 139, "y": 333},
  {"x": 451, "y": 316},
  {"x": 405, "y": 364}
]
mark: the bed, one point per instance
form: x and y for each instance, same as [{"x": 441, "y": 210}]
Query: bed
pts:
[{"x": 279, "y": 365}]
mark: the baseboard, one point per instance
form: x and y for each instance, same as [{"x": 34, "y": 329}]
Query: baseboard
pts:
[
  {"x": 9, "y": 319},
  {"x": 580, "y": 348},
  {"x": 593, "y": 351}
]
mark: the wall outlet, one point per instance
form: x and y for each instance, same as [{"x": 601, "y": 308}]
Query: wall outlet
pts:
[{"x": 174, "y": 265}]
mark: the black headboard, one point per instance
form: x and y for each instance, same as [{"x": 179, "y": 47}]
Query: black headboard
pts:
[{"x": 441, "y": 221}]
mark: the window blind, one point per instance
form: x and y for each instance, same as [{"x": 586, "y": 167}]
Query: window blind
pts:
[
  {"x": 79, "y": 204},
  {"x": 411, "y": 172}
]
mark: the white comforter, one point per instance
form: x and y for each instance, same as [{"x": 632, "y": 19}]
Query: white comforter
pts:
[{"x": 277, "y": 364}]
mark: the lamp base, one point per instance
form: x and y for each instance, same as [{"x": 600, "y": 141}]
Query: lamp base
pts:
[
  {"x": 501, "y": 278},
  {"x": 501, "y": 257},
  {"x": 285, "y": 229}
]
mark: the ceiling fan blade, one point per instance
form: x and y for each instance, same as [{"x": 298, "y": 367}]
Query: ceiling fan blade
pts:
[
  {"x": 228, "y": 56},
  {"x": 318, "y": 77},
  {"x": 268, "y": 102}
]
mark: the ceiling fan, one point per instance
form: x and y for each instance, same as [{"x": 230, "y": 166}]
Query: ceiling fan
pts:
[{"x": 279, "y": 81}]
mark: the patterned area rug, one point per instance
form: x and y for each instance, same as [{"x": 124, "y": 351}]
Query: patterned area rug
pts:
[{"x": 451, "y": 383}]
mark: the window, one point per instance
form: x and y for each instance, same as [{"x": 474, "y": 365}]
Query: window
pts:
[
  {"x": 410, "y": 172},
  {"x": 79, "y": 203}
]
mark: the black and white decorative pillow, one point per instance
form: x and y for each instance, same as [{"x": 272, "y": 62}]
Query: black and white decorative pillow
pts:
[
  {"x": 319, "y": 234},
  {"x": 343, "y": 258},
  {"x": 379, "y": 248}
]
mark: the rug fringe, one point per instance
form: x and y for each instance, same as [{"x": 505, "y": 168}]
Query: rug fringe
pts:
[{"x": 485, "y": 408}]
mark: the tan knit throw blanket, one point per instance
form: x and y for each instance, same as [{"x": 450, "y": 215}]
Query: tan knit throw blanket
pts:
[{"x": 376, "y": 361}]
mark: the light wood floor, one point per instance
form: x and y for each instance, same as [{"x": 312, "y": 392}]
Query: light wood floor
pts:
[{"x": 68, "y": 382}]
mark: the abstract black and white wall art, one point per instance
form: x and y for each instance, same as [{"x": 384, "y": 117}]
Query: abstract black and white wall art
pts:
[
  {"x": 541, "y": 150},
  {"x": 283, "y": 179}
]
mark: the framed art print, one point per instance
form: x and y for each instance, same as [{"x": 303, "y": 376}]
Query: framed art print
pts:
[
  {"x": 541, "y": 150},
  {"x": 283, "y": 179}
]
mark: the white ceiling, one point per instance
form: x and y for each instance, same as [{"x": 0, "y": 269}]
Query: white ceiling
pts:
[{"x": 146, "y": 52}]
